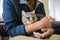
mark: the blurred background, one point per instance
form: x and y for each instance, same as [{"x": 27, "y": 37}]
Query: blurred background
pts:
[
  {"x": 1, "y": 8},
  {"x": 52, "y": 8}
]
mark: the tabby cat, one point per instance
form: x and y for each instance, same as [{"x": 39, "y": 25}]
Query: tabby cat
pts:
[{"x": 30, "y": 17}]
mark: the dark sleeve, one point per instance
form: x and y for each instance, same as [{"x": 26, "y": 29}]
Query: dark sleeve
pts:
[
  {"x": 56, "y": 26},
  {"x": 40, "y": 9},
  {"x": 8, "y": 18}
]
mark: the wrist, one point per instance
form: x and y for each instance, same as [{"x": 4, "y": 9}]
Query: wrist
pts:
[{"x": 32, "y": 27}]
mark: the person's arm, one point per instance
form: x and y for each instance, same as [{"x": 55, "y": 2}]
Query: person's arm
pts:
[
  {"x": 10, "y": 27},
  {"x": 43, "y": 23}
]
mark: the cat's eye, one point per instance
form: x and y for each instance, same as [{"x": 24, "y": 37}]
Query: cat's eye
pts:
[
  {"x": 33, "y": 17},
  {"x": 28, "y": 18}
]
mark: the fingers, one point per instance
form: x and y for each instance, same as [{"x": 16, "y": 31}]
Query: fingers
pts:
[
  {"x": 37, "y": 35},
  {"x": 47, "y": 33}
]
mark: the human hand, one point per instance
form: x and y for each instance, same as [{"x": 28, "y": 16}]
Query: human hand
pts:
[
  {"x": 46, "y": 32},
  {"x": 37, "y": 35}
]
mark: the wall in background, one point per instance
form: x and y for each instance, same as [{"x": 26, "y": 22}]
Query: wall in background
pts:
[
  {"x": 57, "y": 10},
  {"x": 1, "y": 9},
  {"x": 54, "y": 9}
]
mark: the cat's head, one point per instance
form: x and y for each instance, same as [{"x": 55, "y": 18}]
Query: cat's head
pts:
[{"x": 29, "y": 16}]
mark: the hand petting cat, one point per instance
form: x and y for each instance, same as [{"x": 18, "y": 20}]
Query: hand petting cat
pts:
[{"x": 47, "y": 31}]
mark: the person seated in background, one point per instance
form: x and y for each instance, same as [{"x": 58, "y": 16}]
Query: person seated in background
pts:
[{"x": 12, "y": 15}]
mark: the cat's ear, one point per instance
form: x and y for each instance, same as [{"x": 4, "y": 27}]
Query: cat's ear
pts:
[
  {"x": 33, "y": 11},
  {"x": 24, "y": 13}
]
